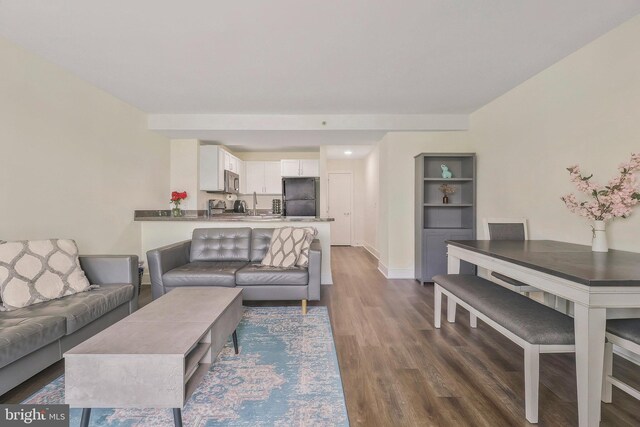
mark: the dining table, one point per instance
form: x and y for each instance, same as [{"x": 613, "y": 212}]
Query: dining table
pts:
[{"x": 597, "y": 283}]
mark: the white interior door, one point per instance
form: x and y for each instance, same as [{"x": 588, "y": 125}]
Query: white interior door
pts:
[{"x": 340, "y": 191}]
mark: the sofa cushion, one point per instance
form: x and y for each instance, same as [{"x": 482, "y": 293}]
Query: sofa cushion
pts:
[
  {"x": 20, "y": 336},
  {"x": 220, "y": 244},
  {"x": 260, "y": 241},
  {"x": 79, "y": 309},
  {"x": 221, "y": 273},
  {"x": 258, "y": 274},
  {"x": 34, "y": 271}
]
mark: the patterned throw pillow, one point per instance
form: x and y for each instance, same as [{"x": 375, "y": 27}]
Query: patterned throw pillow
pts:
[
  {"x": 286, "y": 245},
  {"x": 303, "y": 259},
  {"x": 35, "y": 271}
]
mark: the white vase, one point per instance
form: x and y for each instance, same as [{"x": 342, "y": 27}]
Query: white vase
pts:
[{"x": 599, "y": 243}]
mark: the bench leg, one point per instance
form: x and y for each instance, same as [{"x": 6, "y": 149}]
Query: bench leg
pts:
[
  {"x": 531, "y": 382},
  {"x": 451, "y": 310},
  {"x": 437, "y": 305},
  {"x": 473, "y": 320},
  {"x": 608, "y": 370}
]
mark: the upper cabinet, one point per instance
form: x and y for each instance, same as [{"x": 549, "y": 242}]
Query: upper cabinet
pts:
[
  {"x": 213, "y": 162},
  {"x": 231, "y": 162},
  {"x": 263, "y": 178},
  {"x": 300, "y": 167},
  {"x": 212, "y": 165}
]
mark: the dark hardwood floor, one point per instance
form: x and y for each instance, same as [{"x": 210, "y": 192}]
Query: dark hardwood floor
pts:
[{"x": 398, "y": 370}]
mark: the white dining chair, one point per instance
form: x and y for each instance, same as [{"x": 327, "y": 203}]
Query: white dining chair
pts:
[
  {"x": 516, "y": 229},
  {"x": 624, "y": 333},
  {"x": 507, "y": 229}
]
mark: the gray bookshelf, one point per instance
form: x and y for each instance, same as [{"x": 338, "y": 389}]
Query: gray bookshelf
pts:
[{"x": 437, "y": 222}]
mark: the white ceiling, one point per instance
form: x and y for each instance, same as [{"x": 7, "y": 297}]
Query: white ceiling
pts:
[{"x": 309, "y": 56}]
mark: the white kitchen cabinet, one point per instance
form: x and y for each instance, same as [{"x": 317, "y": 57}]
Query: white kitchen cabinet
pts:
[
  {"x": 212, "y": 165},
  {"x": 254, "y": 177},
  {"x": 263, "y": 177},
  {"x": 290, "y": 167},
  {"x": 309, "y": 167},
  {"x": 272, "y": 178},
  {"x": 231, "y": 162}
]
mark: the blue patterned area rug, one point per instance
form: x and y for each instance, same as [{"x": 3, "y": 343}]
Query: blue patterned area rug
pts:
[{"x": 285, "y": 375}]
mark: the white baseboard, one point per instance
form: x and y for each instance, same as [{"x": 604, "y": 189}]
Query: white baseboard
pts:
[
  {"x": 395, "y": 273},
  {"x": 371, "y": 250},
  {"x": 383, "y": 269}
]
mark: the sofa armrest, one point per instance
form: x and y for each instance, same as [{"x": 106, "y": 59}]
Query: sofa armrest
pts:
[
  {"x": 315, "y": 262},
  {"x": 108, "y": 269},
  {"x": 164, "y": 259}
]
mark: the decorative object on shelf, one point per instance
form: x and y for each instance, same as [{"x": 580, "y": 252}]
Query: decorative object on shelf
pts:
[
  {"x": 446, "y": 189},
  {"x": 446, "y": 173},
  {"x": 176, "y": 198},
  {"x": 614, "y": 200}
]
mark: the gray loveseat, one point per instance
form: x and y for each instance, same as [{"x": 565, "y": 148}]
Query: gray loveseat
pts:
[
  {"x": 34, "y": 337},
  {"x": 231, "y": 257}
]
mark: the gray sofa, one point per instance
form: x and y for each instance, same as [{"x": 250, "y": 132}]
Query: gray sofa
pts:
[
  {"x": 231, "y": 257},
  {"x": 34, "y": 337}
]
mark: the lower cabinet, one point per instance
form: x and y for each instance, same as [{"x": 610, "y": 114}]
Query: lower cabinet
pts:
[{"x": 434, "y": 251}]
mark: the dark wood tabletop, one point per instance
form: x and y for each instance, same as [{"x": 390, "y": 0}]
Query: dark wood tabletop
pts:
[{"x": 566, "y": 260}]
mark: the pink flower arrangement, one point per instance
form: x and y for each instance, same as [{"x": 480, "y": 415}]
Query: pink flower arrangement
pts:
[{"x": 614, "y": 200}]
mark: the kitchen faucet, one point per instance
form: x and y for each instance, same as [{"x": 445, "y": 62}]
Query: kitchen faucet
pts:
[{"x": 255, "y": 203}]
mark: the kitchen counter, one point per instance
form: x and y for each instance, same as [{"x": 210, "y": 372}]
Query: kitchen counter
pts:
[
  {"x": 165, "y": 215},
  {"x": 158, "y": 228}
]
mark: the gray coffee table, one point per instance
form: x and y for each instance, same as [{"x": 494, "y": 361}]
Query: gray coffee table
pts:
[{"x": 156, "y": 357}]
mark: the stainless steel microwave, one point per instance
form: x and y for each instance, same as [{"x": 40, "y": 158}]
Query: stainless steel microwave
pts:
[{"x": 231, "y": 182}]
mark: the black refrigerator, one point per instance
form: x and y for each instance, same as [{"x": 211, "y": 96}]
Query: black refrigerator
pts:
[{"x": 301, "y": 196}]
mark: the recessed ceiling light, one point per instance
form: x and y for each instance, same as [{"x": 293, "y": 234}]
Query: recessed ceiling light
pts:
[{"x": 348, "y": 152}]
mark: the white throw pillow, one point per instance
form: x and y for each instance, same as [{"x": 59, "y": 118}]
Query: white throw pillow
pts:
[
  {"x": 286, "y": 245},
  {"x": 303, "y": 259},
  {"x": 35, "y": 271}
]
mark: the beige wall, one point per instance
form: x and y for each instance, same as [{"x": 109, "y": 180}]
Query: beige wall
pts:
[
  {"x": 397, "y": 177},
  {"x": 356, "y": 168},
  {"x": 75, "y": 162},
  {"x": 583, "y": 109},
  {"x": 371, "y": 201},
  {"x": 184, "y": 172}
]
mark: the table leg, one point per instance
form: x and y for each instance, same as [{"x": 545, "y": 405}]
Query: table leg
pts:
[
  {"x": 86, "y": 415},
  {"x": 235, "y": 341},
  {"x": 177, "y": 417},
  {"x": 589, "y": 324},
  {"x": 453, "y": 267}
]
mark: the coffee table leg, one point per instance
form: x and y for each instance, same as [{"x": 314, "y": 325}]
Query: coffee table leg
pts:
[
  {"x": 177, "y": 417},
  {"x": 86, "y": 414},
  {"x": 235, "y": 341}
]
